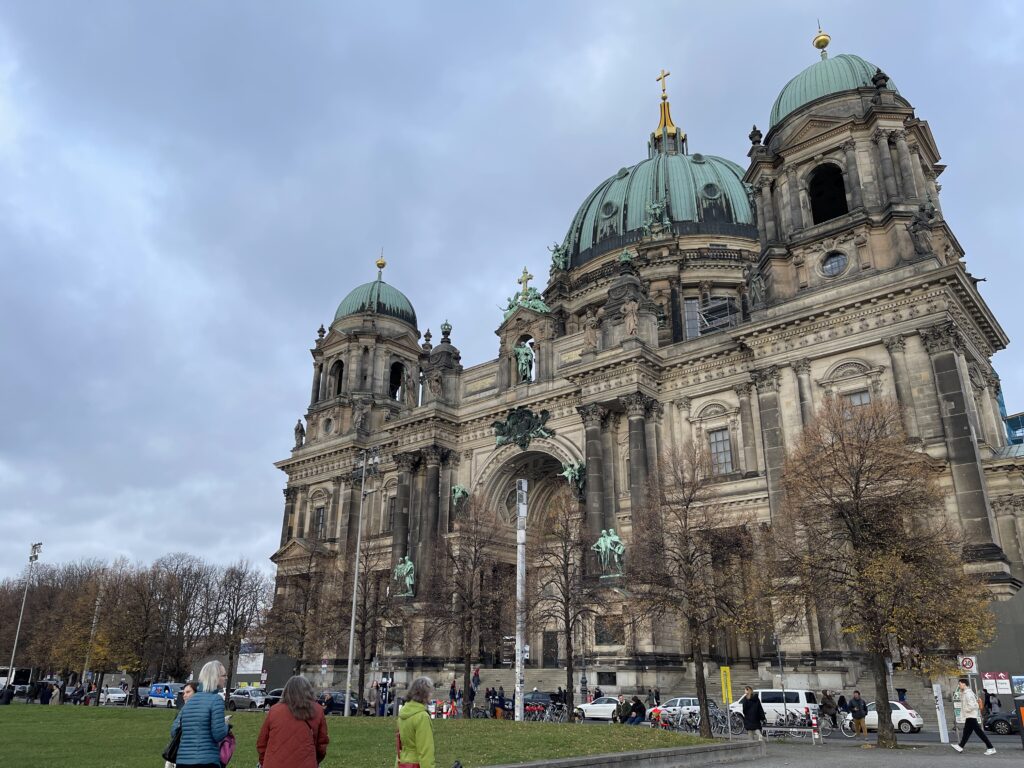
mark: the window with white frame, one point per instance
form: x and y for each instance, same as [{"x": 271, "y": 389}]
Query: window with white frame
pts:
[
  {"x": 720, "y": 447},
  {"x": 860, "y": 397}
]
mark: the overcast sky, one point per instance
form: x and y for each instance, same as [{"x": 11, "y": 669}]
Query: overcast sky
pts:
[{"x": 188, "y": 189}]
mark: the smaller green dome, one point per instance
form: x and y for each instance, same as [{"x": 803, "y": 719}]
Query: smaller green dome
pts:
[
  {"x": 835, "y": 74},
  {"x": 377, "y": 297}
]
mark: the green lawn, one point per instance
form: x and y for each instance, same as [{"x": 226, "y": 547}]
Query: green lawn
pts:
[{"x": 115, "y": 738}]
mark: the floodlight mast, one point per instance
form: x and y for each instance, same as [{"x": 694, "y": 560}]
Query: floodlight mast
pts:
[{"x": 33, "y": 555}]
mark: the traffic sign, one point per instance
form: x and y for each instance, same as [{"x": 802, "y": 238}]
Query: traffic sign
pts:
[
  {"x": 988, "y": 681},
  {"x": 968, "y": 664},
  {"x": 726, "y": 674}
]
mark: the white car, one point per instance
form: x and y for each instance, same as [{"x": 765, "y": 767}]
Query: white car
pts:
[
  {"x": 599, "y": 709},
  {"x": 904, "y": 719},
  {"x": 113, "y": 696},
  {"x": 685, "y": 704}
]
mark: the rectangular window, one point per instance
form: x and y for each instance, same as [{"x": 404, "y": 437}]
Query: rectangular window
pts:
[
  {"x": 394, "y": 638},
  {"x": 691, "y": 318},
  {"x": 390, "y": 522},
  {"x": 771, "y": 697},
  {"x": 857, "y": 398},
  {"x": 608, "y": 631},
  {"x": 721, "y": 451},
  {"x": 717, "y": 314},
  {"x": 607, "y": 679},
  {"x": 319, "y": 522}
]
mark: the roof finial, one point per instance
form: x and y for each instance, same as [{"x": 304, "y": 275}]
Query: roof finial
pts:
[
  {"x": 381, "y": 263},
  {"x": 821, "y": 41},
  {"x": 524, "y": 280},
  {"x": 666, "y": 127}
]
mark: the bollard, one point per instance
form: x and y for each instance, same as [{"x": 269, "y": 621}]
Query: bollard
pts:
[{"x": 815, "y": 733}]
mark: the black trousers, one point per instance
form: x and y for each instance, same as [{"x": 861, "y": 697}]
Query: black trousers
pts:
[{"x": 971, "y": 726}]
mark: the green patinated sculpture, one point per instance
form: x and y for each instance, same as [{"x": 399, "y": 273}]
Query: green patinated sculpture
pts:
[
  {"x": 610, "y": 549},
  {"x": 524, "y": 361},
  {"x": 531, "y": 300},
  {"x": 625, "y": 257},
  {"x": 559, "y": 257},
  {"x": 574, "y": 474},
  {"x": 405, "y": 571},
  {"x": 521, "y": 426},
  {"x": 459, "y": 492}
]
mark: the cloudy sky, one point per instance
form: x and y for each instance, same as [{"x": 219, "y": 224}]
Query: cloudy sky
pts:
[{"x": 188, "y": 189}]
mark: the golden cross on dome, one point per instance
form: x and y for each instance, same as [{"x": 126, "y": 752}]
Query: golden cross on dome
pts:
[
  {"x": 524, "y": 280},
  {"x": 661, "y": 78}
]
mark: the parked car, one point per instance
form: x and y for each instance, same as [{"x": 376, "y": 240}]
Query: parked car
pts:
[
  {"x": 776, "y": 702},
  {"x": 113, "y": 696},
  {"x": 1003, "y": 723},
  {"x": 685, "y": 704},
  {"x": 273, "y": 697},
  {"x": 905, "y": 719},
  {"x": 246, "y": 698},
  {"x": 142, "y": 692},
  {"x": 539, "y": 698},
  {"x": 599, "y": 709},
  {"x": 164, "y": 694},
  {"x": 333, "y": 702}
]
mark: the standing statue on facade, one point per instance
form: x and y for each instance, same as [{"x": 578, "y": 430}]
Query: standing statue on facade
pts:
[
  {"x": 630, "y": 311},
  {"x": 524, "y": 360},
  {"x": 405, "y": 572},
  {"x": 359, "y": 413},
  {"x": 435, "y": 384},
  {"x": 410, "y": 393},
  {"x": 755, "y": 286},
  {"x": 590, "y": 327},
  {"x": 616, "y": 549},
  {"x": 300, "y": 434},
  {"x": 601, "y": 547},
  {"x": 559, "y": 257},
  {"x": 459, "y": 494},
  {"x": 920, "y": 230}
]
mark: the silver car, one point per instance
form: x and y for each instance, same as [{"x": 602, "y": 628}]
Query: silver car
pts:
[{"x": 247, "y": 698}]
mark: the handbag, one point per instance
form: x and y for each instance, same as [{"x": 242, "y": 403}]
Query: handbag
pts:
[
  {"x": 170, "y": 753},
  {"x": 227, "y": 748},
  {"x": 398, "y": 750}
]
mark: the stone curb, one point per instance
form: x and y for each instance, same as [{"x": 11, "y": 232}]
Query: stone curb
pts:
[{"x": 670, "y": 757}]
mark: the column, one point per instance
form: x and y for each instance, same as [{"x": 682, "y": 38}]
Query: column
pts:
[
  {"x": 685, "y": 427},
  {"x": 767, "y": 382},
  {"x": 896, "y": 345},
  {"x": 352, "y": 368},
  {"x": 318, "y": 372},
  {"x": 747, "y": 428},
  {"x": 290, "y": 494},
  {"x": 759, "y": 202},
  {"x": 944, "y": 345},
  {"x": 906, "y": 169},
  {"x": 770, "y": 230},
  {"x": 432, "y": 496},
  {"x": 592, "y": 415},
  {"x": 651, "y": 435},
  {"x": 803, "y": 384},
  {"x": 448, "y": 472},
  {"x": 636, "y": 407},
  {"x": 853, "y": 174},
  {"x": 400, "y": 535},
  {"x": 915, "y": 162},
  {"x": 609, "y": 431},
  {"x": 881, "y": 139},
  {"x": 795, "y": 216},
  {"x": 332, "y": 525}
]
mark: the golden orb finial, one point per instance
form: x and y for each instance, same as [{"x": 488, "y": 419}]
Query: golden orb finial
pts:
[
  {"x": 380, "y": 260},
  {"x": 821, "y": 41}
]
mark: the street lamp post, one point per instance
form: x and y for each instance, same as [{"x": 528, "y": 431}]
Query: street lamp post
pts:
[
  {"x": 370, "y": 461},
  {"x": 521, "y": 508},
  {"x": 33, "y": 555}
]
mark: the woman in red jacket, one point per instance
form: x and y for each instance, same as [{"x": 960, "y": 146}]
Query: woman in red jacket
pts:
[{"x": 294, "y": 734}]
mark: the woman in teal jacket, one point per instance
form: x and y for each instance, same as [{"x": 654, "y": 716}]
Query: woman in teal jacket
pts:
[{"x": 201, "y": 721}]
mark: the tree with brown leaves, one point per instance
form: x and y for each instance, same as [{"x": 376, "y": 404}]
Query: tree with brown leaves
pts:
[{"x": 864, "y": 536}]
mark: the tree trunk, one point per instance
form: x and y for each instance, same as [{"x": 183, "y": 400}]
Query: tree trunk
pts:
[
  {"x": 231, "y": 664},
  {"x": 886, "y": 733},
  {"x": 569, "y": 699},
  {"x": 702, "y": 685}
]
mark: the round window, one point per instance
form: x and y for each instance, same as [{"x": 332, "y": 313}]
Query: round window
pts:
[
  {"x": 711, "y": 191},
  {"x": 328, "y": 426},
  {"x": 609, "y": 209},
  {"x": 834, "y": 264}
]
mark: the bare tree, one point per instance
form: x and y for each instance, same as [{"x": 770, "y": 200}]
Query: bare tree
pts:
[
  {"x": 305, "y": 610},
  {"x": 860, "y": 536},
  {"x": 566, "y": 596},
  {"x": 243, "y": 597},
  {"x": 678, "y": 566}
]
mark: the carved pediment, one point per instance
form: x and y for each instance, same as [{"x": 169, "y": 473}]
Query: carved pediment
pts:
[
  {"x": 296, "y": 549},
  {"x": 815, "y": 127}
]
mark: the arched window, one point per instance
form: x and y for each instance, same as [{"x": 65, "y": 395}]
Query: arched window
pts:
[
  {"x": 827, "y": 192},
  {"x": 337, "y": 378},
  {"x": 396, "y": 381}
]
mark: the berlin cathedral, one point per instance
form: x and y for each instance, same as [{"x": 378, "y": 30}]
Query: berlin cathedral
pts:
[{"x": 693, "y": 299}]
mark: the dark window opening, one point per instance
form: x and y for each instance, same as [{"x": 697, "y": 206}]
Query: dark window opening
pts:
[
  {"x": 607, "y": 679},
  {"x": 608, "y": 630},
  {"x": 827, "y": 192},
  {"x": 396, "y": 381},
  {"x": 319, "y": 522},
  {"x": 337, "y": 377},
  {"x": 365, "y": 369},
  {"x": 691, "y": 318},
  {"x": 389, "y": 521}
]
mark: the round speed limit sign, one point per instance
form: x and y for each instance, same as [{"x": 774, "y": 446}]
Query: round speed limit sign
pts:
[{"x": 968, "y": 663}]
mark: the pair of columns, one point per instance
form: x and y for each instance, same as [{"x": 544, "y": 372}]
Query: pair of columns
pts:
[{"x": 419, "y": 527}]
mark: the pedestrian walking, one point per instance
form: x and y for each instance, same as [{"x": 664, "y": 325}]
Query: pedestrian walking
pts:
[
  {"x": 186, "y": 693},
  {"x": 657, "y": 696},
  {"x": 476, "y": 678},
  {"x": 598, "y": 693},
  {"x": 969, "y": 716},
  {"x": 753, "y": 713},
  {"x": 828, "y": 707},
  {"x": 650, "y": 701},
  {"x": 294, "y": 734},
  {"x": 452, "y": 691},
  {"x": 858, "y": 710},
  {"x": 415, "y": 740},
  {"x": 54, "y": 695},
  {"x": 201, "y": 721}
]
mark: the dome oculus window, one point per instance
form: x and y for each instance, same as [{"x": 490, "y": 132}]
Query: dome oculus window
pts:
[
  {"x": 609, "y": 209},
  {"x": 834, "y": 264},
  {"x": 711, "y": 191}
]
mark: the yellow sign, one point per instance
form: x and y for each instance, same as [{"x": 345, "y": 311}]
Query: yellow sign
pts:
[{"x": 726, "y": 674}]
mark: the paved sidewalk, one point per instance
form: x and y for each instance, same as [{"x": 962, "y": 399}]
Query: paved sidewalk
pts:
[{"x": 854, "y": 755}]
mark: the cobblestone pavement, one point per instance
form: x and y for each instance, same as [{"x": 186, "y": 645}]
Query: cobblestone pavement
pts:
[{"x": 849, "y": 754}]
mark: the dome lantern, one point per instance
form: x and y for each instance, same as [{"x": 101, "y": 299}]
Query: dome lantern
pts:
[{"x": 378, "y": 298}]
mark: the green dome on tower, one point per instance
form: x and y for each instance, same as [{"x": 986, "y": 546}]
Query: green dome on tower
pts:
[
  {"x": 836, "y": 74},
  {"x": 377, "y": 297}
]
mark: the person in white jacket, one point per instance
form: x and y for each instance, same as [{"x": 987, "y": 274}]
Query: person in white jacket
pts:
[{"x": 969, "y": 716}]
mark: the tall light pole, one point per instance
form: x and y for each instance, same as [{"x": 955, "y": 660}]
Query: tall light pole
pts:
[
  {"x": 33, "y": 555},
  {"x": 521, "y": 489},
  {"x": 369, "y": 464}
]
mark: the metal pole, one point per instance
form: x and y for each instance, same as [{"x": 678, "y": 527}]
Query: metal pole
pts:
[
  {"x": 521, "y": 488},
  {"x": 782, "y": 678},
  {"x": 33, "y": 555},
  {"x": 92, "y": 632},
  {"x": 363, "y": 493}
]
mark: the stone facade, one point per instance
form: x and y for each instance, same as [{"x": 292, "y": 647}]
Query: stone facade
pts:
[{"x": 852, "y": 285}]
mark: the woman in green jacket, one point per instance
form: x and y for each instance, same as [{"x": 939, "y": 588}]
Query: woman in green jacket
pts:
[{"x": 415, "y": 738}]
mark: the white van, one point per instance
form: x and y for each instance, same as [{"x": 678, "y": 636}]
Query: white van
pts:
[{"x": 775, "y": 703}]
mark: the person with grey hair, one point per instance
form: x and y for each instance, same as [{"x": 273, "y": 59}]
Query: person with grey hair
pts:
[
  {"x": 415, "y": 738},
  {"x": 201, "y": 721},
  {"x": 294, "y": 733}
]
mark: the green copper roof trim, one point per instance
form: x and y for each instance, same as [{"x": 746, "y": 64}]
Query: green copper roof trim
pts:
[
  {"x": 835, "y": 74},
  {"x": 377, "y": 297}
]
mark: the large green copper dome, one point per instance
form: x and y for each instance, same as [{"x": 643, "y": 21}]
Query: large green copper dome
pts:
[
  {"x": 691, "y": 194},
  {"x": 377, "y": 297},
  {"x": 835, "y": 74}
]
